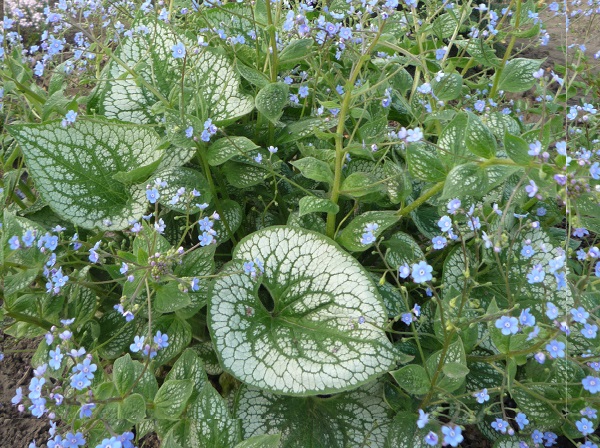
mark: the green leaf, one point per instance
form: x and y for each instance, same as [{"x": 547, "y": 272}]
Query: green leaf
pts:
[
  {"x": 314, "y": 169},
  {"x": 359, "y": 184},
  {"x": 413, "y": 379},
  {"x": 244, "y": 175},
  {"x": 132, "y": 92},
  {"x": 132, "y": 408},
  {"x": 264, "y": 441},
  {"x": 517, "y": 75},
  {"x": 187, "y": 178},
  {"x": 115, "y": 334},
  {"x": 73, "y": 168},
  {"x": 225, "y": 148},
  {"x": 295, "y": 329},
  {"x": 189, "y": 367},
  {"x": 404, "y": 432},
  {"x": 169, "y": 298},
  {"x": 295, "y": 52},
  {"x": 455, "y": 370},
  {"x": 455, "y": 355},
  {"x": 479, "y": 139},
  {"x": 305, "y": 127},
  {"x": 232, "y": 213},
  {"x": 517, "y": 149},
  {"x": 451, "y": 144},
  {"x": 271, "y": 100},
  {"x": 424, "y": 162},
  {"x": 136, "y": 175},
  {"x": 207, "y": 423},
  {"x": 358, "y": 418},
  {"x": 311, "y": 204},
  {"x": 21, "y": 280},
  {"x": 465, "y": 180},
  {"x": 180, "y": 336},
  {"x": 351, "y": 236},
  {"x": 402, "y": 249},
  {"x": 123, "y": 374},
  {"x": 448, "y": 88},
  {"x": 172, "y": 398},
  {"x": 251, "y": 75}
]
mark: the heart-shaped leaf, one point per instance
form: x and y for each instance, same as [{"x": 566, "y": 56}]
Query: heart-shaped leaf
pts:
[
  {"x": 73, "y": 168},
  {"x": 311, "y": 324},
  {"x": 358, "y": 418}
]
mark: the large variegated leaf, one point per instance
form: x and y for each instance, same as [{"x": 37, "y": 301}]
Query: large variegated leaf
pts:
[
  {"x": 144, "y": 72},
  {"x": 75, "y": 169},
  {"x": 311, "y": 324},
  {"x": 359, "y": 418}
]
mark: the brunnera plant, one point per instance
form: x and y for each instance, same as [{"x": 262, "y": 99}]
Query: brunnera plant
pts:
[{"x": 281, "y": 223}]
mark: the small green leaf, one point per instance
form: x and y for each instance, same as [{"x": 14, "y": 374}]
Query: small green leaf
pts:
[
  {"x": 314, "y": 169},
  {"x": 448, "y": 88},
  {"x": 189, "y": 367},
  {"x": 517, "y": 75},
  {"x": 172, "y": 398},
  {"x": 424, "y": 162},
  {"x": 169, "y": 298},
  {"x": 359, "y": 184},
  {"x": 271, "y": 100},
  {"x": 251, "y": 75},
  {"x": 413, "y": 379},
  {"x": 351, "y": 236},
  {"x": 133, "y": 408},
  {"x": 295, "y": 52},
  {"x": 123, "y": 374},
  {"x": 465, "y": 180},
  {"x": 479, "y": 139},
  {"x": 311, "y": 204},
  {"x": 455, "y": 370},
  {"x": 517, "y": 149},
  {"x": 225, "y": 148}
]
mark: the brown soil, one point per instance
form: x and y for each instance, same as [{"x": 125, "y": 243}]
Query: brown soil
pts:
[{"x": 18, "y": 429}]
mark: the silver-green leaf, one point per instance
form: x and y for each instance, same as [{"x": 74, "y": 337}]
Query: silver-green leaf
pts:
[{"x": 311, "y": 324}]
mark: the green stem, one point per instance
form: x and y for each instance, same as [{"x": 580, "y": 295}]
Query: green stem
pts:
[
  {"x": 507, "y": 53},
  {"x": 404, "y": 211}
]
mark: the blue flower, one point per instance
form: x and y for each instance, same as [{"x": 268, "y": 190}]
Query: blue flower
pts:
[
  {"x": 589, "y": 412},
  {"x": 303, "y": 92},
  {"x": 445, "y": 223},
  {"x": 551, "y": 310},
  {"x": 439, "y": 242},
  {"x": 526, "y": 318},
  {"x": 38, "y": 407},
  {"x": 73, "y": 440},
  {"x": 556, "y": 349},
  {"x": 423, "y": 419},
  {"x": 35, "y": 387},
  {"x": 527, "y": 251},
  {"x": 86, "y": 368},
  {"x": 500, "y": 425},
  {"x": 585, "y": 426},
  {"x": 453, "y": 206},
  {"x": 161, "y": 340},
  {"x": 55, "y": 358},
  {"x": 521, "y": 420},
  {"x": 508, "y": 325},
  {"x": 18, "y": 396},
  {"x": 407, "y": 318},
  {"x": 589, "y": 331},
  {"x": 138, "y": 344},
  {"x": 367, "y": 238},
  {"x": 153, "y": 195},
  {"x": 537, "y": 436},
  {"x": 580, "y": 315},
  {"x": 481, "y": 396},
  {"x": 452, "y": 435},
  {"x": 70, "y": 118},
  {"x": 431, "y": 439},
  {"x": 421, "y": 272},
  {"x": 178, "y": 50},
  {"x": 189, "y": 132},
  {"x": 28, "y": 238},
  {"x": 113, "y": 442},
  {"x": 404, "y": 271},
  {"x": 14, "y": 243},
  {"x": 80, "y": 381},
  {"x": 536, "y": 275},
  {"x": 591, "y": 384}
]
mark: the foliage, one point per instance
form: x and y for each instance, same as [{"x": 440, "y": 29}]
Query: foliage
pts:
[{"x": 269, "y": 223}]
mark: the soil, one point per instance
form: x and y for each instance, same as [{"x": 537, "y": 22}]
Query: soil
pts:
[{"x": 18, "y": 429}]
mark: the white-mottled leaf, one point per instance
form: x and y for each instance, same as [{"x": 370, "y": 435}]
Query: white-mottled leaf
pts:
[
  {"x": 404, "y": 432},
  {"x": 208, "y": 73},
  {"x": 271, "y": 100},
  {"x": 307, "y": 341},
  {"x": 225, "y": 148},
  {"x": 172, "y": 398},
  {"x": 517, "y": 75},
  {"x": 352, "y": 419},
  {"x": 311, "y": 204},
  {"x": 351, "y": 236},
  {"x": 73, "y": 168},
  {"x": 263, "y": 441},
  {"x": 189, "y": 179}
]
